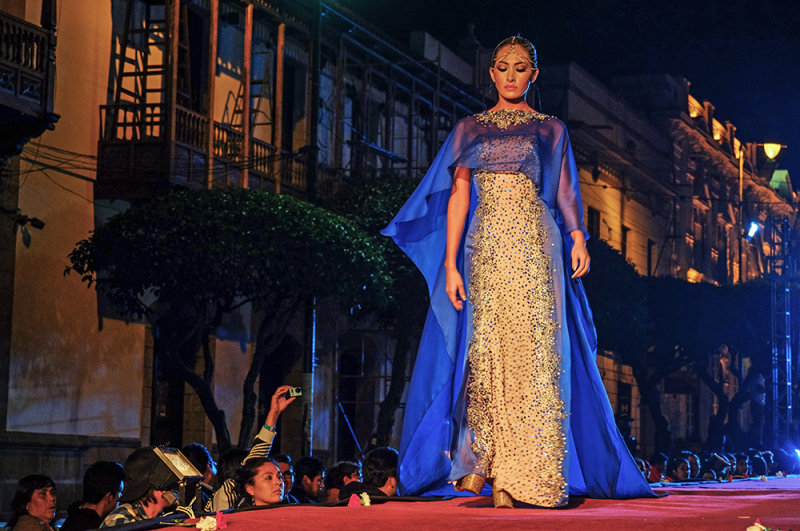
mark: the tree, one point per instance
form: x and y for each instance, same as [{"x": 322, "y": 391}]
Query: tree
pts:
[
  {"x": 621, "y": 308},
  {"x": 184, "y": 260},
  {"x": 371, "y": 205}
]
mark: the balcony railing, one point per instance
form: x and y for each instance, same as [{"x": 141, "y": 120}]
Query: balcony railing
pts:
[{"x": 25, "y": 61}]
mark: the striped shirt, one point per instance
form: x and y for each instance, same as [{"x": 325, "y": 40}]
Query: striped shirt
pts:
[{"x": 227, "y": 496}]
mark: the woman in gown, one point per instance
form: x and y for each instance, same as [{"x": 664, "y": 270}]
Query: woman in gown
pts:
[{"x": 505, "y": 387}]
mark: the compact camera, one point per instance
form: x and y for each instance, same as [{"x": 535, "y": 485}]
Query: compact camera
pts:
[{"x": 293, "y": 392}]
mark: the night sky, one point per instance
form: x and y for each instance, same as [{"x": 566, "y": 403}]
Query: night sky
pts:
[{"x": 742, "y": 56}]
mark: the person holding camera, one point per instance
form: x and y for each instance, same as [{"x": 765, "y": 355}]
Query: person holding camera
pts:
[{"x": 228, "y": 496}]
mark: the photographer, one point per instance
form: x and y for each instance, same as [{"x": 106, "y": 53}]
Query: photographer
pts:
[{"x": 228, "y": 495}]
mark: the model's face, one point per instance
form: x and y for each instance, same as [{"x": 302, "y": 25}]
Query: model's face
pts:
[
  {"x": 512, "y": 73},
  {"x": 288, "y": 476},
  {"x": 43, "y": 504},
  {"x": 267, "y": 486}
]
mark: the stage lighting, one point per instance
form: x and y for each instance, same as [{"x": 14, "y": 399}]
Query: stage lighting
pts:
[{"x": 752, "y": 230}]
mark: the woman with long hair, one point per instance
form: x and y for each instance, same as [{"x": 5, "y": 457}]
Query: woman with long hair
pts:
[{"x": 505, "y": 387}]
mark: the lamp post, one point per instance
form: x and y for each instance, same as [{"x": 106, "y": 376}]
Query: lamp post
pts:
[{"x": 771, "y": 150}]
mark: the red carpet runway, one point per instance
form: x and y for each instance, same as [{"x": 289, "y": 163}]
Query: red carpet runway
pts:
[{"x": 713, "y": 506}]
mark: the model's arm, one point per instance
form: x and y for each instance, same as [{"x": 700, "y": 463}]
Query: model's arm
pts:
[{"x": 457, "y": 209}]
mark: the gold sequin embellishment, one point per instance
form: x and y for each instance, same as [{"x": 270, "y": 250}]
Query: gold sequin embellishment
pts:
[
  {"x": 514, "y": 409},
  {"x": 505, "y": 118}
]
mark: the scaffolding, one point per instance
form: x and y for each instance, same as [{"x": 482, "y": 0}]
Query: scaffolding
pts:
[{"x": 780, "y": 273}]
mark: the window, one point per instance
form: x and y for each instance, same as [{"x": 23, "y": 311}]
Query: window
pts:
[
  {"x": 593, "y": 223},
  {"x": 651, "y": 255},
  {"x": 624, "y": 243}
]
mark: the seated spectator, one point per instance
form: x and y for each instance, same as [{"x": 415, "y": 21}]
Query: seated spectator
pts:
[
  {"x": 141, "y": 498},
  {"x": 229, "y": 463},
  {"x": 658, "y": 462},
  {"x": 287, "y": 471},
  {"x": 102, "y": 487},
  {"x": 719, "y": 465},
  {"x": 380, "y": 475},
  {"x": 228, "y": 495},
  {"x": 310, "y": 483},
  {"x": 758, "y": 467},
  {"x": 260, "y": 482},
  {"x": 201, "y": 458},
  {"x": 694, "y": 463},
  {"x": 742, "y": 466},
  {"x": 644, "y": 467},
  {"x": 677, "y": 470},
  {"x": 338, "y": 476},
  {"x": 707, "y": 473},
  {"x": 33, "y": 506}
]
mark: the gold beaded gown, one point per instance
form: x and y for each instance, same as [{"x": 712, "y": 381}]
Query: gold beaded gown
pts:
[{"x": 499, "y": 387}]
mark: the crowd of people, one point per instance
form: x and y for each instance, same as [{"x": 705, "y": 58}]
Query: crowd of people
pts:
[
  {"x": 687, "y": 466},
  {"x": 115, "y": 494}
]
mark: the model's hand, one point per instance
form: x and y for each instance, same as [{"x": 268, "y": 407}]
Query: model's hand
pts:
[
  {"x": 580, "y": 256},
  {"x": 454, "y": 286},
  {"x": 278, "y": 403}
]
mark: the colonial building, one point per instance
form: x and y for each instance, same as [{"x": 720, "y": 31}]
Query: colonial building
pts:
[{"x": 295, "y": 97}]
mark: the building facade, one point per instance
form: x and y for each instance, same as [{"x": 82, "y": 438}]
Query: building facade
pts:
[{"x": 298, "y": 97}]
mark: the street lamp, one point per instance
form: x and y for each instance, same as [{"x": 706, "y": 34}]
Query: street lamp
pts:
[{"x": 771, "y": 150}]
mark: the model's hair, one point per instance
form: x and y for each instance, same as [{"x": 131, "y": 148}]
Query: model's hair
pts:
[
  {"x": 102, "y": 478},
  {"x": 520, "y": 41},
  {"x": 380, "y": 465},
  {"x": 25, "y": 489}
]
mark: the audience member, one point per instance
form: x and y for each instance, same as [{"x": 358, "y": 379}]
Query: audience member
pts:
[
  {"x": 644, "y": 467},
  {"x": 338, "y": 476},
  {"x": 102, "y": 487},
  {"x": 677, "y": 470},
  {"x": 310, "y": 483},
  {"x": 742, "y": 466},
  {"x": 694, "y": 463},
  {"x": 758, "y": 467},
  {"x": 33, "y": 506},
  {"x": 229, "y": 463},
  {"x": 287, "y": 471},
  {"x": 201, "y": 458},
  {"x": 141, "y": 498},
  {"x": 260, "y": 482},
  {"x": 228, "y": 495},
  {"x": 380, "y": 475},
  {"x": 658, "y": 463}
]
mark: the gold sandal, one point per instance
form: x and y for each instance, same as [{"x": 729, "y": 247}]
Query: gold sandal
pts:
[
  {"x": 471, "y": 483},
  {"x": 502, "y": 499}
]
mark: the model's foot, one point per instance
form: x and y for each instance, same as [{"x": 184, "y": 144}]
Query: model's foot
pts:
[
  {"x": 502, "y": 499},
  {"x": 471, "y": 483}
]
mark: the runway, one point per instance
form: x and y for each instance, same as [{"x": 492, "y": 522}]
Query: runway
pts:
[{"x": 713, "y": 506}]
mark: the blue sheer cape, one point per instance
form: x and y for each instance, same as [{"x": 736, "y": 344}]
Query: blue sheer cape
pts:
[{"x": 599, "y": 463}]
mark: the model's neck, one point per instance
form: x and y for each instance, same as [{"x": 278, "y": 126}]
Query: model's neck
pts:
[{"x": 511, "y": 106}]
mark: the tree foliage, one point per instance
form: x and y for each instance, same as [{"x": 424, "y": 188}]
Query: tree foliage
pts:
[
  {"x": 184, "y": 260},
  {"x": 371, "y": 205}
]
